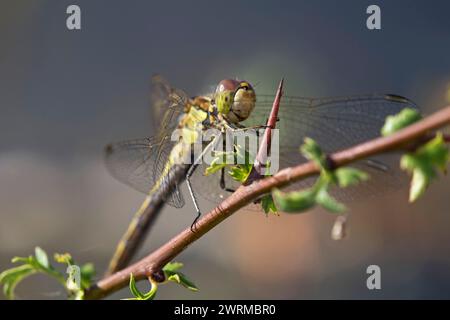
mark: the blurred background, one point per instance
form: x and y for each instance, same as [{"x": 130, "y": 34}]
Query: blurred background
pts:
[{"x": 65, "y": 94}]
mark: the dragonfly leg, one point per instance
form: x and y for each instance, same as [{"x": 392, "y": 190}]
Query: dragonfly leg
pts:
[
  {"x": 191, "y": 192},
  {"x": 191, "y": 170}
]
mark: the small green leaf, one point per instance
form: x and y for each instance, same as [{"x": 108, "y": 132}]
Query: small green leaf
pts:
[
  {"x": 41, "y": 257},
  {"x": 422, "y": 164},
  {"x": 39, "y": 263},
  {"x": 240, "y": 173},
  {"x": 172, "y": 267},
  {"x": 152, "y": 293},
  {"x": 328, "y": 202},
  {"x": 436, "y": 151},
  {"x": 422, "y": 173},
  {"x": 181, "y": 279},
  {"x": 347, "y": 176},
  {"x": 172, "y": 274},
  {"x": 312, "y": 151},
  {"x": 300, "y": 201},
  {"x": 138, "y": 295},
  {"x": 239, "y": 161},
  {"x": 213, "y": 168},
  {"x": 87, "y": 273},
  {"x": 39, "y": 267},
  {"x": 221, "y": 160},
  {"x": 268, "y": 204},
  {"x": 419, "y": 184},
  {"x": 399, "y": 121},
  {"x": 134, "y": 290},
  {"x": 294, "y": 202},
  {"x": 30, "y": 265},
  {"x": 27, "y": 260},
  {"x": 10, "y": 278}
]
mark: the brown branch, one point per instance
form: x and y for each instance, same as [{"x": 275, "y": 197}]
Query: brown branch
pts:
[{"x": 152, "y": 264}]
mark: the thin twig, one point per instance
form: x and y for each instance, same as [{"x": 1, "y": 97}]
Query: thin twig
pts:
[
  {"x": 246, "y": 194},
  {"x": 265, "y": 147}
]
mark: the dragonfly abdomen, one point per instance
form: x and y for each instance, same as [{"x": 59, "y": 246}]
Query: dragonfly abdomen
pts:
[{"x": 146, "y": 215}]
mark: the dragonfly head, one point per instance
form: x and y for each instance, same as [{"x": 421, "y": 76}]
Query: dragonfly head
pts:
[{"x": 235, "y": 100}]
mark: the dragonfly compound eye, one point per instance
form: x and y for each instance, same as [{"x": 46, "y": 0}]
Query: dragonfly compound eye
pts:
[
  {"x": 243, "y": 103},
  {"x": 227, "y": 85},
  {"x": 235, "y": 99}
]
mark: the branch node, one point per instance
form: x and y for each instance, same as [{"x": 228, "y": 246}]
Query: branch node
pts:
[{"x": 158, "y": 276}]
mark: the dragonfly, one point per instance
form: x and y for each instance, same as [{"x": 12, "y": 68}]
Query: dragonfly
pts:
[{"x": 158, "y": 165}]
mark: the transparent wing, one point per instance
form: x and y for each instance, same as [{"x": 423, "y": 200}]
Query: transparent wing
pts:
[
  {"x": 214, "y": 186},
  {"x": 168, "y": 104},
  {"x": 138, "y": 164},
  {"x": 335, "y": 123}
]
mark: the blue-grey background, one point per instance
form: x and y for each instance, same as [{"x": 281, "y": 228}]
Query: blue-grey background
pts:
[{"x": 65, "y": 94}]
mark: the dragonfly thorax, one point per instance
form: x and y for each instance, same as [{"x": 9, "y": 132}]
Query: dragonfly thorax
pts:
[{"x": 235, "y": 100}]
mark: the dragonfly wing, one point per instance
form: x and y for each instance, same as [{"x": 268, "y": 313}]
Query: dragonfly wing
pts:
[
  {"x": 209, "y": 187},
  {"x": 139, "y": 163},
  {"x": 217, "y": 186},
  {"x": 335, "y": 123},
  {"x": 168, "y": 104}
]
